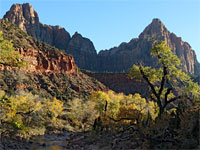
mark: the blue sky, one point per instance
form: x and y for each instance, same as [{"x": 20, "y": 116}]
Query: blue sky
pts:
[{"x": 109, "y": 22}]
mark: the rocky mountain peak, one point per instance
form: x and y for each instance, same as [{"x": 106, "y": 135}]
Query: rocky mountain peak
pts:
[
  {"x": 115, "y": 59},
  {"x": 77, "y": 35},
  {"x": 26, "y": 18},
  {"x": 83, "y": 43},
  {"x": 22, "y": 14},
  {"x": 124, "y": 56},
  {"x": 156, "y": 29}
]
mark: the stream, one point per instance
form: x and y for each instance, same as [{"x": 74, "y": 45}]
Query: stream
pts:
[
  {"x": 51, "y": 142},
  {"x": 65, "y": 141}
]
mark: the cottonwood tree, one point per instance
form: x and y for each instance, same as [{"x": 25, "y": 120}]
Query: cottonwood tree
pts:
[
  {"x": 168, "y": 83},
  {"x": 8, "y": 55}
]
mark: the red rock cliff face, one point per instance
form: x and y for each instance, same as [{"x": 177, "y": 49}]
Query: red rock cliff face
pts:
[
  {"x": 40, "y": 57},
  {"x": 48, "y": 62}
]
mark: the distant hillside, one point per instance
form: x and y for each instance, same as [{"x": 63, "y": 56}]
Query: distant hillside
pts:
[{"x": 120, "y": 83}]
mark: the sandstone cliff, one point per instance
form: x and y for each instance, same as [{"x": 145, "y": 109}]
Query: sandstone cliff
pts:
[
  {"x": 116, "y": 59},
  {"x": 48, "y": 61},
  {"x": 27, "y": 19},
  {"x": 83, "y": 51},
  {"x": 122, "y": 57}
]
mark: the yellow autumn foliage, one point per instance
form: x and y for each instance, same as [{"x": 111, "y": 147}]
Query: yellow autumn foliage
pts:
[
  {"x": 22, "y": 113},
  {"x": 124, "y": 109},
  {"x": 81, "y": 114}
]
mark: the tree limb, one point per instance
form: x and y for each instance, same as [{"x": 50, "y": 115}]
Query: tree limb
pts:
[
  {"x": 106, "y": 104},
  {"x": 167, "y": 93},
  {"x": 26, "y": 113},
  {"x": 163, "y": 80},
  {"x": 124, "y": 118},
  {"x": 153, "y": 98},
  {"x": 147, "y": 80},
  {"x": 172, "y": 100}
]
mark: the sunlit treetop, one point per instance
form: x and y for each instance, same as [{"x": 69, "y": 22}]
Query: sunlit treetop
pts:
[{"x": 8, "y": 55}]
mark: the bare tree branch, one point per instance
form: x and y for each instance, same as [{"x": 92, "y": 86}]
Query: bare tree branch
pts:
[
  {"x": 172, "y": 100},
  {"x": 147, "y": 80},
  {"x": 27, "y": 113},
  {"x": 167, "y": 93},
  {"x": 124, "y": 118},
  {"x": 153, "y": 98},
  {"x": 163, "y": 80}
]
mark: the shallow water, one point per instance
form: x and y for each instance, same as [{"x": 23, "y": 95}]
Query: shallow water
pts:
[{"x": 50, "y": 142}]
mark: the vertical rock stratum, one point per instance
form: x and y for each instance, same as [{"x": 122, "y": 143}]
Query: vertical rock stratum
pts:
[{"x": 116, "y": 59}]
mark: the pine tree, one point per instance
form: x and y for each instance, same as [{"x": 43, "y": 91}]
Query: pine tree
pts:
[{"x": 168, "y": 83}]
